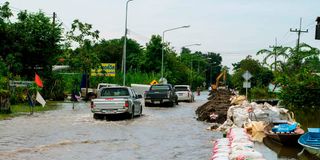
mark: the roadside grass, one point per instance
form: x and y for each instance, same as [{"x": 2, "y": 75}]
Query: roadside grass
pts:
[{"x": 25, "y": 109}]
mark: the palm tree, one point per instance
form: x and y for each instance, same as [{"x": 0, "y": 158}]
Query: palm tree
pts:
[
  {"x": 275, "y": 53},
  {"x": 300, "y": 57}
]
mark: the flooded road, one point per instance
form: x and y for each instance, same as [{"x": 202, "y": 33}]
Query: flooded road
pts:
[{"x": 161, "y": 133}]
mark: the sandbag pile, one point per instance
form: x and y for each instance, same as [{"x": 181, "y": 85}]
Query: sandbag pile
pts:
[
  {"x": 237, "y": 146},
  {"x": 221, "y": 149},
  {"x": 237, "y": 115}
]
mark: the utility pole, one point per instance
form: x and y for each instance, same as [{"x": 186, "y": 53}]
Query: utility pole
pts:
[
  {"x": 125, "y": 45},
  {"x": 54, "y": 18},
  {"x": 275, "y": 53},
  {"x": 299, "y": 33}
]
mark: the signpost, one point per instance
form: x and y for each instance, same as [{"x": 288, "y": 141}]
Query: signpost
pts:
[{"x": 246, "y": 84}]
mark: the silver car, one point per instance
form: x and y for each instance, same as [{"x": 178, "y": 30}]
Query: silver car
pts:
[
  {"x": 116, "y": 100},
  {"x": 184, "y": 93}
]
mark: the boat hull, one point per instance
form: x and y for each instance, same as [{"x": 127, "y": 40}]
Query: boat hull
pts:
[
  {"x": 288, "y": 139},
  {"x": 314, "y": 150}
]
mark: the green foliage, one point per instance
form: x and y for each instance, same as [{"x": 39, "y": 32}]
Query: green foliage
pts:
[
  {"x": 110, "y": 51},
  {"x": 275, "y": 53},
  {"x": 153, "y": 55},
  {"x": 24, "y": 108},
  {"x": 131, "y": 77},
  {"x": 32, "y": 43},
  {"x": 297, "y": 75},
  {"x": 18, "y": 95},
  {"x": 260, "y": 93},
  {"x": 261, "y": 76},
  {"x": 3, "y": 83},
  {"x": 55, "y": 87},
  {"x": 301, "y": 89},
  {"x": 84, "y": 57}
]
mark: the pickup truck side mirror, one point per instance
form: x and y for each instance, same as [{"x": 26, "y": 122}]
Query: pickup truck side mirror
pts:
[{"x": 139, "y": 96}]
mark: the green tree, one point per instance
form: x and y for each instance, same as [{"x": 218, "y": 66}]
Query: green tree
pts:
[
  {"x": 84, "y": 57},
  {"x": 214, "y": 67},
  {"x": 299, "y": 80},
  {"x": 261, "y": 76},
  {"x": 276, "y": 53},
  {"x": 29, "y": 44},
  {"x": 153, "y": 54},
  {"x": 110, "y": 51}
]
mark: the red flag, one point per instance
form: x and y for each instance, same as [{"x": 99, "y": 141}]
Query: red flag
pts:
[{"x": 38, "y": 81}]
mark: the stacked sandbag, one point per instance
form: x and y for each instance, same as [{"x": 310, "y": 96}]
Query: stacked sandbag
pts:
[
  {"x": 237, "y": 146},
  {"x": 237, "y": 115},
  {"x": 221, "y": 149},
  {"x": 242, "y": 148}
]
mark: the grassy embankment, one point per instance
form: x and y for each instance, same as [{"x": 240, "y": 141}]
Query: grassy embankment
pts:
[{"x": 24, "y": 109}]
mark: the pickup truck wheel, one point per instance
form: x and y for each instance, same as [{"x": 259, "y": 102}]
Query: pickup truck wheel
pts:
[
  {"x": 96, "y": 116},
  {"x": 132, "y": 114},
  {"x": 140, "y": 113}
]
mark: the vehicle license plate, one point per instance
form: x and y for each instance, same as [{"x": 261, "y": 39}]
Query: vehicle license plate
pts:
[
  {"x": 180, "y": 94},
  {"x": 156, "y": 102},
  {"x": 107, "y": 111}
]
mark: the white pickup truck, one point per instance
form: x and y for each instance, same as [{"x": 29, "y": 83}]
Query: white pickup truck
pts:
[{"x": 116, "y": 100}]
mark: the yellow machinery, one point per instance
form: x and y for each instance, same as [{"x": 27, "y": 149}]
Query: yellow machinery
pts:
[{"x": 223, "y": 74}]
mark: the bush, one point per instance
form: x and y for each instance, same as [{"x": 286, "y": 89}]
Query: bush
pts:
[{"x": 260, "y": 93}]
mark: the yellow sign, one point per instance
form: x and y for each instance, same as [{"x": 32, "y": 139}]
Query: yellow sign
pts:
[
  {"x": 105, "y": 69},
  {"x": 153, "y": 82}
]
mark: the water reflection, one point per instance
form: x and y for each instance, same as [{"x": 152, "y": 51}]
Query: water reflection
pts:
[
  {"x": 308, "y": 117},
  {"x": 282, "y": 151}
]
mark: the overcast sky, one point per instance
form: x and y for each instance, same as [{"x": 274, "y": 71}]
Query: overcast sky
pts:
[{"x": 233, "y": 28}]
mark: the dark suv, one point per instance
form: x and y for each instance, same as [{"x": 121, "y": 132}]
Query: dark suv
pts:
[{"x": 161, "y": 94}]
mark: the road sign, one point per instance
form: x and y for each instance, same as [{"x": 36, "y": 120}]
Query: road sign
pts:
[
  {"x": 246, "y": 75},
  {"x": 105, "y": 69},
  {"x": 153, "y": 82},
  {"x": 20, "y": 83},
  {"x": 246, "y": 84}
]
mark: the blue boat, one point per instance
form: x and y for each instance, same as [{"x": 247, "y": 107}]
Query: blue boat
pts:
[{"x": 311, "y": 141}]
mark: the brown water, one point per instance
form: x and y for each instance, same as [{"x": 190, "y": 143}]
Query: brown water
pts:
[{"x": 161, "y": 133}]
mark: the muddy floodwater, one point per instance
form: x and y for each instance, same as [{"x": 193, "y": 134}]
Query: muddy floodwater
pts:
[{"x": 161, "y": 133}]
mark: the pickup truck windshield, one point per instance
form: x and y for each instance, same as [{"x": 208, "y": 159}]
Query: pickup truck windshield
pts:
[
  {"x": 109, "y": 92},
  {"x": 162, "y": 88}
]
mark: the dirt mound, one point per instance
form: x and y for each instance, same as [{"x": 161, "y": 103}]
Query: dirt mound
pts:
[{"x": 217, "y": 107}]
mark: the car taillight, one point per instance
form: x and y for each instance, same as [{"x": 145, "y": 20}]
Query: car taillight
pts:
[
  {"x": 188, "y": 94},
  {"x": 126, "y": 104},
  {"x": 92, "y": 105}
]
